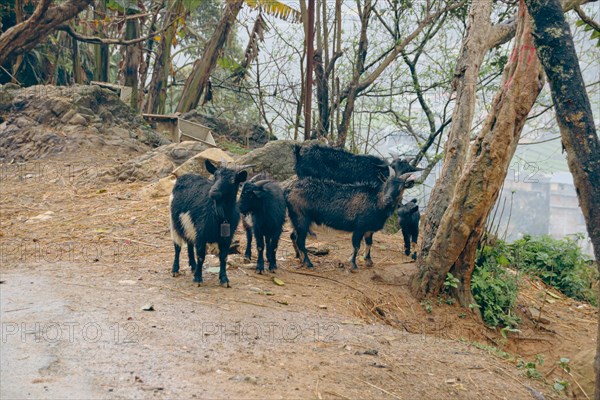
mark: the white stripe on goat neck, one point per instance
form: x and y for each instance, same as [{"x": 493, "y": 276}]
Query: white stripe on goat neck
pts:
[{"x": 188, "y": 226}]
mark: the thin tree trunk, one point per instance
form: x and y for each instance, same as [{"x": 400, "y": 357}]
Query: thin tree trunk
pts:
[
  {"x": 359, "y": 67},
  {"x": 157, "y": 90},
  {"x": 132, "y": 59},
  {"x": 18, "y": 20},
  {"x": 453, "y": 248},
  {"x": 101, "y": 50},
  {"x": 77, "y": 78},
  {"x": 554, "y": 43},
  {"x": 197, "y": 82}
]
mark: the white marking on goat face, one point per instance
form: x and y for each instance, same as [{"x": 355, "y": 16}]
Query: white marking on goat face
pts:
[{"x": 188, "y": 226}]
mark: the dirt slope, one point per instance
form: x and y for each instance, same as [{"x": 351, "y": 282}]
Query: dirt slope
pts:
[{"x": 80, "y": 258}]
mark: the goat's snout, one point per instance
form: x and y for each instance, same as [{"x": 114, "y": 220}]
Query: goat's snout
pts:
[{"x": 214, "y": 194}]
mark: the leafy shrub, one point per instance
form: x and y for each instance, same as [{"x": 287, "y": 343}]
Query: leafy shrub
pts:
[
  {"x": 558, "y": 263},
  {"x": 494, "y": 287}
]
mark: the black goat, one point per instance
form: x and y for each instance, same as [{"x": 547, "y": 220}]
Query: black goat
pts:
[
  {"x": 204, "y": 211},
  {"x": 263, "y": 200},
  {"x": 320, "y": 161},
  {"x": 359, "y": 208},
  {"x": 323, "y": 162},
  {"x": 408, "y": 219},
  {"x": 247, "y": 217}
]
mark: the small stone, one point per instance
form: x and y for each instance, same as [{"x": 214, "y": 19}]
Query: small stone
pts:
[{"x": 78, "y": 119}]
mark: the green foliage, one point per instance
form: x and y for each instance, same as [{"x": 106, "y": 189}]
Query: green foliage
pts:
[
  {"x": 558, "y": 263},
  {"x": 427, "y": 306},
  {"x": 494, "y": 287},
  {"x": 451, "y": 281},
  {"x": 530, "y": 367}
]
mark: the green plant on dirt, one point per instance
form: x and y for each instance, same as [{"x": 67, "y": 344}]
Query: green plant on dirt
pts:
[
  {"x": 558, "y": 263},
  {"x": 427, "y": 306},
  {"x": 530, "y": 367},
  {"x": 494, "y": 287},
  {"x": 561, "y": 385}
]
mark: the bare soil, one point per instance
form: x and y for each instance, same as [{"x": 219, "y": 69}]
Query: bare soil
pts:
[{"x": 75, "y": 280}]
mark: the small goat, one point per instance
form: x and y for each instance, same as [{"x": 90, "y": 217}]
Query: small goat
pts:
[
  {"x": 358, "y": 208},
  {"x": 263, "y": 200},
  {"x": 316, "y": 160},
  {"x": 408, "y": 219},
  {"x": 204, "y": 211}
]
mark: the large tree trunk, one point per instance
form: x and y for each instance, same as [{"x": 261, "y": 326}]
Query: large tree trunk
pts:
[
  {"x": 157, "y": 91},
  {"x": 554, "y": 43},
  {"x": 197, "y": 82},
  {"x": 44, "y": 20},
  {"x": 474, "y": 48},
  {"x": 453, "y": 248}
]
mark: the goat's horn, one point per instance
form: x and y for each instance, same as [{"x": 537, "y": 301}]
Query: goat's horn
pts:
[
  {"x": 407, "y": 176},
  {"x": 392, "y": 172},
  {"x": 244, "y": 166}
]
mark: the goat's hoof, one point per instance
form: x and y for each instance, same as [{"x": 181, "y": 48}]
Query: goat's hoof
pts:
[
  {"x": 368, "y": 263},
  {"x": 175, "y": 274},
  {"x": 259, "y": 271},
  {"x": 354, "y": 270},
  {"x": 225, "y": 284},
  {"x": 414, "y": 256},
  {"x": 247, "y": 258}
]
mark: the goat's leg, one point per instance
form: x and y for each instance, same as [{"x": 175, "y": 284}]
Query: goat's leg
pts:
[
  {"x": 201, "y": 255},
  {"x": 191, "y": 256},
  {"x": 223, "y": 251},
  {"x": 356, "y": 239},
  {"x": 414, "y": 239},
  {"x": 272, "y": 252},
  {"x": 406, "y": 236},
  {"x": 301, "y": 241},
  {"x": 248, "y": 252},
  {"x": 368, "y": 243},
  {"x": 294, "y": 238},
  {"x": 260, "y": 248},
  {"x": 175, "y": 268}
]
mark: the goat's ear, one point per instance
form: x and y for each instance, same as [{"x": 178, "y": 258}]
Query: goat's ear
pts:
[
  {"x": 210, "y": 167},
  {"x": 241, "y": 176}
]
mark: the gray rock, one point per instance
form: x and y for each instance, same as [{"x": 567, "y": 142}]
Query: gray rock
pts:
[
  {"x": 78, "y": 119},
  {"x": 275, "y": 158}
]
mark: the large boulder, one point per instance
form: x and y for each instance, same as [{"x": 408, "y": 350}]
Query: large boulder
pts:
[
  {"x": 157, "y": 163},
  {"x": 195, "y": 165},
  {"x": 275, "y": 158}
]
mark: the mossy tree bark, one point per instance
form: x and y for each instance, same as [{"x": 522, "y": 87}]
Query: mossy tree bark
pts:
[{"x": 554, "y": 44}]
